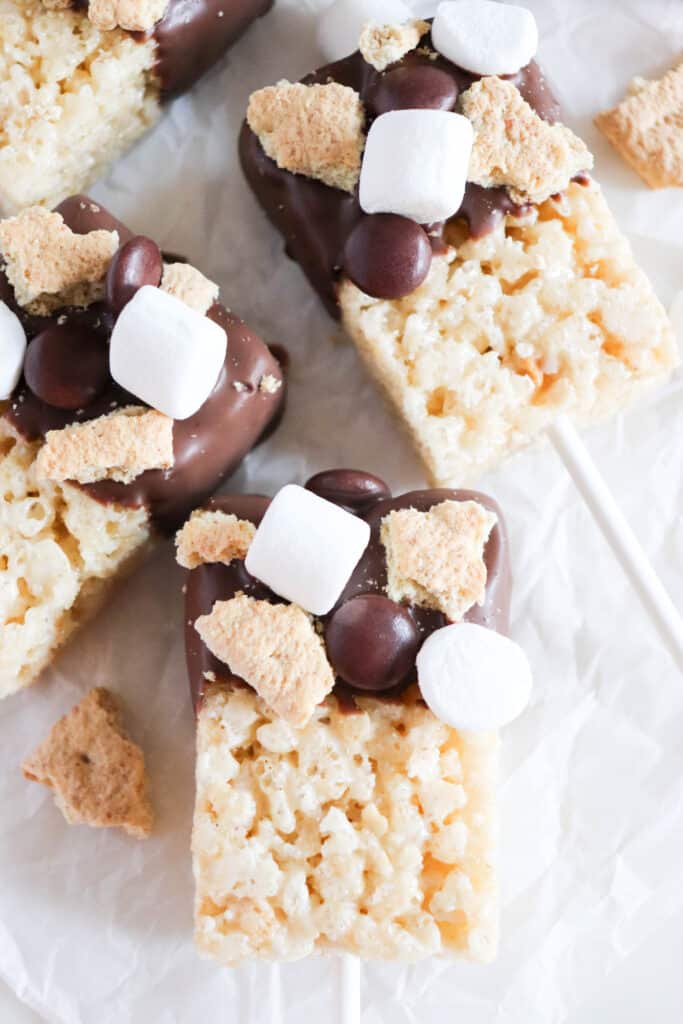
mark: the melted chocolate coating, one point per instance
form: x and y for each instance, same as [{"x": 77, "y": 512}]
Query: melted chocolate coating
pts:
[
  {"x": 208, "y": 446},
  {"x": 316, "y": 220},
  {"x": 371, "y": 499}
]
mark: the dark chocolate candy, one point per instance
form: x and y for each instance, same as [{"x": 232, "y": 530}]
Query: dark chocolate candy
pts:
[
  {"x": 138, "y": 262},
  {"x": 388, "y": 669},
  {"x": 208, "y": 446},
  {"x": 316, "y": 221},
  {"x": 387, "y": 256}
]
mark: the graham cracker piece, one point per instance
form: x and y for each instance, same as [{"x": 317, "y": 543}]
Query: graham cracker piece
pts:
[
  {"x": 269, "y": 384},
  {"x": 213, "y": 537},
  {"x": 314, "y": 130},
  {"x": 48, "y": 265},
  {"x": 274, "y": 648},
  {"x": 515, "y": 147},
  {"x": 97, "y": 773},
  {"x": 382, "y": 45},
  {"x": 436, "y": 558},
  {"x": 118, "y": 446},
  {"x": 646, "y": 129},
  {"x": 189, "y": 285},
  {"x": 133, "y": 15}
]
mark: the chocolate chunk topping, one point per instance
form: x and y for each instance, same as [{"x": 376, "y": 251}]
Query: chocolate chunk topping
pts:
[
  {"x": 372, "y": 642},
  {"x": 350, "y": 632},
  {"x": 387, "y": 256},
  {"x": 67, "y": 365},
  {"x": 318, "y": 222},
  {"x": 138, "y": 262}
]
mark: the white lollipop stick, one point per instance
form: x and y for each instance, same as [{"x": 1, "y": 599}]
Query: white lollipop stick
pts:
[
  {"x": 349, "y": 984},
  {"x": 619, "y": 535}
]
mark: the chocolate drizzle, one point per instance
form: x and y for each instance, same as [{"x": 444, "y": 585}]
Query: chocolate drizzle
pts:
[
  {"x": 316, "y": 220},
  {"x": 208, "y": 446},
  {"x": 370, "y": 498}
]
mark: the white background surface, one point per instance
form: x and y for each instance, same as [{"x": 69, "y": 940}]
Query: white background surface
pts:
[{"x": 95, "y": 928}]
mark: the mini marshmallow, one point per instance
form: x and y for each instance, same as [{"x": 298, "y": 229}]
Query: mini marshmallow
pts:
[
  {"x": 341, "y": 24},
  {"x": 165, "y": 353},
  {"x": 12, "y": 350},
  {"x": 485, "y": 37},
  {"x": 473, "y": 678},
  {"x": 306, "y": 548},
  {"x": 415, "y": 164}
]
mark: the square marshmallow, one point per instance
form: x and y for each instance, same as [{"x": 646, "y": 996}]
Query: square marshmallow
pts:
[
  {"x": 485, "y": 37},
  {"x": 165, "y": 353},
  {"x": 306, "y": 548},
  {"x": 415, "y": 164},
  {"x": 12, "y": 350},
  {"x": 341, "y": 24}
]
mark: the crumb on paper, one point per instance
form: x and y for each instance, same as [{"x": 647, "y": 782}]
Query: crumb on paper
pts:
[
  {"x": 275, "y": 648},
  {"x": 97, "y": 773},
  {"x": 118, "y": 446},
  {"x": 515, "y": 147},
  {"x": 314, "y": 130},
  {"x": 213, "y": 537}
]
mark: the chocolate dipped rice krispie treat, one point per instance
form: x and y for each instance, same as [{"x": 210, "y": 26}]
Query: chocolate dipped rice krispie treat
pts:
[
  {"x": 349, "y": 668},
  {"x": 128, "y": 392},
  {"x": 436, "y": 202},
  {"x": 81, "y": 81}
]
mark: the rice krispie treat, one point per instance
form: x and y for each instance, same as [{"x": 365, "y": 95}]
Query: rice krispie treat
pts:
[
  {"x": 97, "y": 773},
  {"x": 447, "y": 216},
  {"x": 127, "y": 394},
  {"x": 81, "y": 81},
  {"x": 349, "y": 669},
  {"x": 645, "y": 128}
]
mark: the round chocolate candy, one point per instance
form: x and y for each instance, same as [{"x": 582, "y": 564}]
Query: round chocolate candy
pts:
[
  {"x": 416, "y": 87},
  {"x": 135, "y": 264},
  {"x": 67, "y": 365},
  {"x": 372, "y": 642},
  {"x": 387, "y": 256},
  {"x": 350, "y": 488}
]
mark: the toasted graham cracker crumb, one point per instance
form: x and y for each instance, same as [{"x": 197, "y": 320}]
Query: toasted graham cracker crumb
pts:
[
  {"x": 513, "y": 146},
  {"x": 56, "y": 5},
  {"x": 133, "y": 15},
  {"x": 382, "y": 45},
  {"x": 119, "y": 446},
  {"x": 275, "y": 649},
  {"x": 314, "y": 130},
  {"x": 269, "y": 384},
  {"x": 213, "y": 537},
  {"x": 48, "y": 265},
  {"x": 646, "y": 129},
  {"x": 436, "y": 558},
  {"x": 189, "y": 285},
  {"x": 97, "y": 773}
]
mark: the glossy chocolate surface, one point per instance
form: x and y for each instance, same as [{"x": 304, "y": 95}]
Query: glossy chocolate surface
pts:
[
  {"x": 208, "y": 446},
  {"x": 316, "y": 220},
  {"x": 370, "y": 498}
]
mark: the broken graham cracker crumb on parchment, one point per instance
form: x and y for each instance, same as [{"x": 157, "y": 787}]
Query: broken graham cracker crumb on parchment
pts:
[
  {"x": 382, "y": 45},
  {"x": 274, "y": 648},
  {"x": 48, "y": 265},
  {"x": 213, "y": 537},
  {"x": 646, "y": 129},
  {"x": 118, "y": 446},
  {"x": 189, "y": 285},
  {"x": 513, "y": 146},
  {"x": 97, "y": 773},
  {"x": 133, "y": 15},
  {"x": 314, "y": 130},
  {"x": 436, "y": 559}
]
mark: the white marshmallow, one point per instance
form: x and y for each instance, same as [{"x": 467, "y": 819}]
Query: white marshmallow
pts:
[
  {"x": 12, "y": 350},
  {"x": 306, "y": 548},
  {"x": 485, "y": 37},
  {"x": 415, "y": 164},
  {"x": 341, "y": 24},
  {"x": 166, "y": 353},
  {"x": 473, "y": 678}
]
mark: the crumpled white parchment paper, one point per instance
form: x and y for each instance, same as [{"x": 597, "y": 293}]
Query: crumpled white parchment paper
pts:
[{"x": 95, "y": 928}]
